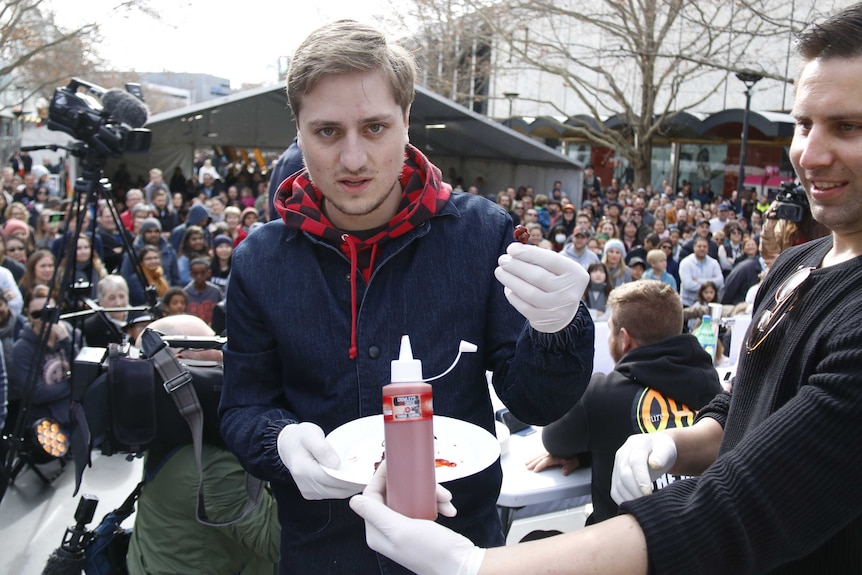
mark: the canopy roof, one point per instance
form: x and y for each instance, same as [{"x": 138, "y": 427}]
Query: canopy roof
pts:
[
  {"x": 680, "y": 126},
  {"x": 260, "y": 118}
]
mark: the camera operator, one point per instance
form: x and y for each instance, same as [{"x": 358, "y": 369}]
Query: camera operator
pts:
[
  {"x": 788, "y": 223},
  {"x": 167, "y": 537}
]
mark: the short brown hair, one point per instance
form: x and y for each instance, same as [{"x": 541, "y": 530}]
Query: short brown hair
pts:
[
  {"x": 650, "y": 310},
  {"x": 836, "y": 37},
  {"x": 344, "y": 47}
]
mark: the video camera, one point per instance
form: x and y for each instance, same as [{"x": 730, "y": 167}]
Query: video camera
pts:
[
  {"x": 110, "y": 127},
  {"x": 791, "y": 203}
]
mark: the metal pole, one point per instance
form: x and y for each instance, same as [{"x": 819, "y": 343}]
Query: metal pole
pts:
[
  {"x": 743, "y": 150},
  {"x": 749, "y": 79}
]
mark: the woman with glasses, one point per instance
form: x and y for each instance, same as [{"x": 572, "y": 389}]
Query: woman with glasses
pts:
[
  {"x": 731, "y": 248},
  {"x": 16, "y": 249},
  {"x": 17, "y": 211},
  {"x": 149, "y": 257}
]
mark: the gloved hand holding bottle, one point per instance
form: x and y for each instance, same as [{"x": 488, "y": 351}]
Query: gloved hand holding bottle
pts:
[{"x": 423, "y": 546}]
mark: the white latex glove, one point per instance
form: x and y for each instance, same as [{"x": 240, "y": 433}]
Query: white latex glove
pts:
[
  {"x": 424, "y": 547},
  {"x": 303, "y": 449},
  {"x": 642, "y": 459},
  {"x": 544, "y": 286}
]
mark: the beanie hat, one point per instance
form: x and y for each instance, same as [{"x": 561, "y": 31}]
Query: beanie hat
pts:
[
  {"x": 13, "y": 225},
  {"x": 246, "y": 211},
  {"x": 615, "y": 243},
  {"x": 150, "y": 223},
  {"x": 222, "y": 239}
]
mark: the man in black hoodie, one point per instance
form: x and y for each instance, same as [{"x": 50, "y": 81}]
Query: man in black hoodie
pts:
[{"x": 661, "y": 378}]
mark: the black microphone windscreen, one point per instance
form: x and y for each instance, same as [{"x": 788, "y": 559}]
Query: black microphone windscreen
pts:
[
  {"x": 63, "y": 563},
  {"x": 125, "y": 108}
]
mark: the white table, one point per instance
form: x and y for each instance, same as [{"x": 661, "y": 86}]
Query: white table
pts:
[{"x": 522, "y": 487}]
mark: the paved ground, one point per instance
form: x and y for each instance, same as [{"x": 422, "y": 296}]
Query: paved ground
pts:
[{"x": 34, "y": 516}]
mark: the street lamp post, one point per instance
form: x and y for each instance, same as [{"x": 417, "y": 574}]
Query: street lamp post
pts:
[
  {"x": 511, "y": 96},
  {"x": 749, "y": 79}
]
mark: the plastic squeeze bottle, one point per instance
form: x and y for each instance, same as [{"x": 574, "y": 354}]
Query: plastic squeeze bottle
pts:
[{"x": 408, "y": 428}]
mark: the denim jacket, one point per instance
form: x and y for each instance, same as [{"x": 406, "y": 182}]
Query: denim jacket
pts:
[{"x": 286, "y": 360}]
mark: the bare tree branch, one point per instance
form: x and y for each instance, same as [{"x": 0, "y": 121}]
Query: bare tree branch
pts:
[{"x": 642, "y": 60}]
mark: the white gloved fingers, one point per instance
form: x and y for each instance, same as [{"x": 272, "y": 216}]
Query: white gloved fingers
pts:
[
  {"x": 549, "y": 270},
  {"x": 663, "y": 455},
  {"x": 642, "y": 459},
  {"x": 624, "y": 486},
  {"x": 423, "y": 546},
  {"x": 547, "y": 320},
  {"x": 315, "y": 442},
  {"x": 318, "y": 484},
  {"x": 529, "y": 292},
  {"x": 554, "y": 273},
  {"x": 444, "y": 502},
  {"x": 376, "y": 488},
  {"x": 550, "y": 260},
  {"x": 639, "y": 481},
  {"x": 525, "y": 308},
  {"x": 381, "y": 524},
  {"x": 302, "y": 447}
]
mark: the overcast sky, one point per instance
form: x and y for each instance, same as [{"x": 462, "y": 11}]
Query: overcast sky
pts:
[{"x": 241, "y": 40}]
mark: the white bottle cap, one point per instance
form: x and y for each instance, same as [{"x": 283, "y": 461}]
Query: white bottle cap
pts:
[{"x": 405, "y": 369}]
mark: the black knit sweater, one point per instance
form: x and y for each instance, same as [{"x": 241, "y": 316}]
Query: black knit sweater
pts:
[{"x": 784, "y": 495}]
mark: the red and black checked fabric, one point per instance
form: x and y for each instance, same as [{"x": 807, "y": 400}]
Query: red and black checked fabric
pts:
[{"x": 298, "y": 202}]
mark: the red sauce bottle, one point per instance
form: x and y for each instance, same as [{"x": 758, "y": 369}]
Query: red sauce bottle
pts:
[{"x": 408, "y": 429}]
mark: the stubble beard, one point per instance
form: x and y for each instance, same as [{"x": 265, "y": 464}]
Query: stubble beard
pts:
[{"x": 364, "y": 208}]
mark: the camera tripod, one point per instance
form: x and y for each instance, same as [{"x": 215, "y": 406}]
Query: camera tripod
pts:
[{"x": 19, "y": 451}]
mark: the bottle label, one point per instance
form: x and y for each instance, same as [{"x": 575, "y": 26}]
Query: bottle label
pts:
[{"x": 408, "y": 407}]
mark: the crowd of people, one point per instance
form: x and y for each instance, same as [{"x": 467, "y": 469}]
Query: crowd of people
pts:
[
  {"x": 164, "y": 248},
  {"x": 706, "y": 246},
  {"x": 754, "y": 502},
  {"x": 370, "y": 260}
]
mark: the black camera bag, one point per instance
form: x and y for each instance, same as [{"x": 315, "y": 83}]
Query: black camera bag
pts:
[{"x": 128, "y": 409}]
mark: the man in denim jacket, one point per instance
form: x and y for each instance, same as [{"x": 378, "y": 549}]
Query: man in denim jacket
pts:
[{"x": 371, "y": 245}]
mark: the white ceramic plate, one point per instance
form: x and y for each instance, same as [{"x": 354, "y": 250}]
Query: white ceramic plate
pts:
[{"x": 359, "y": 444}]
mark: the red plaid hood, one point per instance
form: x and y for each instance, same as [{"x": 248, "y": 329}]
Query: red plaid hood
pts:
[{"x": 298, "y": 202}]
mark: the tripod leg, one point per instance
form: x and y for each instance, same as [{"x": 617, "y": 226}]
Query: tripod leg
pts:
[{"x": 16, "y": 469}]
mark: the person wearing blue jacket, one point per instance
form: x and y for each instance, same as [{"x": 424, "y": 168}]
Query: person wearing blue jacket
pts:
[{"x": 371, "y": 245}]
